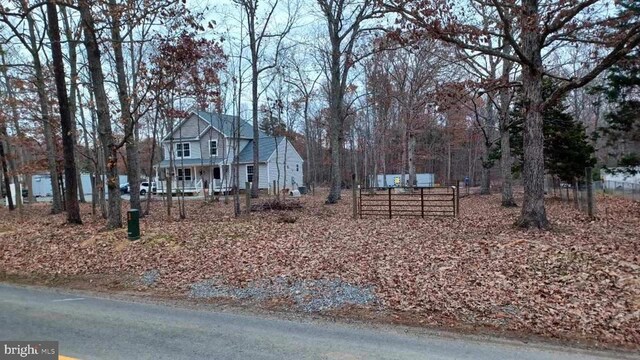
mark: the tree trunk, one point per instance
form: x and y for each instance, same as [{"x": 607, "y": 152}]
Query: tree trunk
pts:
[
  {"x": 411, "y": 153},
  {"x": 336, "y": 121},
  {"x": 104, "y": 122},
  {"x": 506, "y": 161},
  {"x": 169, "y": 174},
  {"x": 485, "y": 179},
  {"x": 5, "y": 172},
  {"x": 307, "y": 142},
  {"x": 256, "y": 130},
  {"x": 81, "y": 197},
  {"x": 383, "y": 159},
  {"x": 533, "y": 213},
  {"x": 169, "y": 179},
  {"x": 12, "y": 152},
  {"x": 99, "y": 162},
  {"x": 403, "y": 167},
  {"x": 50, "y": 142},
  {"x": 336, "y": 177},
  {"x": 253, "y": 44},
  {"x": 487, "y": 164},
  {"x": 92, "y": 172},
  {"x": 449, "y": 181},
  {"x": 152, "y": 157},
  {"x": 133, "y": 166},
  {"x": 66, "y": 122},
  {"x": 73, "y": 90}
]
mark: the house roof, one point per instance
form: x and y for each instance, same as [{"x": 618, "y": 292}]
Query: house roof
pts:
[
  {"x": 266, "y": 147},
  {"x": 225, "y": 123}
]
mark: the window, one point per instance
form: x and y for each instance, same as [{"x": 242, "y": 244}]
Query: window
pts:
[
  {"x": 297, "y": 167},
  {"x": 184, "y": 174},
  {"x": 183, "y": 150},
  {"x": 213, "y": 147},
  {"x": 250, "y": 173}
]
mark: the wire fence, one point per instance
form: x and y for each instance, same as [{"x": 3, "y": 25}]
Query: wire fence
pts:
[
  {"x": 619, "y": 188},
  {"x": 580, "y": 194}
]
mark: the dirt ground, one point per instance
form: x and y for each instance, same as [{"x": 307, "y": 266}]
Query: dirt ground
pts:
[{"x": 579, "y": 282}]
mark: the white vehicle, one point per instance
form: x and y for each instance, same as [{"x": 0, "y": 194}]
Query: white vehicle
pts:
[{"x": 144, "y": 188}]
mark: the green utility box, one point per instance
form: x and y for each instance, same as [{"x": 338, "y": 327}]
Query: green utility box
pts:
[{"x": 133, "y": 224}]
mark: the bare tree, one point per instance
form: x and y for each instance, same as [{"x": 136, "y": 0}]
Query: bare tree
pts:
[
  {"x": 260, "y": 33},
  {"x": 346, "y": 22},
  {"x": 33, "y": 43},
  {"x": 12, "y": 151},
  {"x": 109, "y": 147},
  {"x": 540, "y": 26},
  {"x": 67, "y": 125},
  {"x": 298, "y": 75}
]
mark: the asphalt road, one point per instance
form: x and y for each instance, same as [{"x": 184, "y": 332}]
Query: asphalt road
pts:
[{"x": 90, "y": 327}]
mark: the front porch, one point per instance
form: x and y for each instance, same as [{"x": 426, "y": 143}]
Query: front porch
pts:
[{"x": 193, "y": 179}]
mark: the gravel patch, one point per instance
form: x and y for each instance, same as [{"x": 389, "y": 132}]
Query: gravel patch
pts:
[
  {"x": 150, "y": 277},
  {"x": 308, "y": 295}
]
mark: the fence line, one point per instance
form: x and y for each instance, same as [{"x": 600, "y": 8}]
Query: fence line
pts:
[
  {"x": 621, "y": 188},
  {"x": 580, "y": 193},
  {"x": 417, "y": 202}
]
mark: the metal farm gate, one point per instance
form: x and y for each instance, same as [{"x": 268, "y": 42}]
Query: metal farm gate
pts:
[{"x": 417, "y": 202}]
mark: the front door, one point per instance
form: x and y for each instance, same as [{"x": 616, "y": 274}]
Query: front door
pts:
[{"x": 216, "y": 177}]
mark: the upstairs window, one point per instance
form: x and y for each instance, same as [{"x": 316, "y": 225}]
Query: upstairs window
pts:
[
  {"x": 183, "y": 150},
  {"x": 213, "y": 147}
]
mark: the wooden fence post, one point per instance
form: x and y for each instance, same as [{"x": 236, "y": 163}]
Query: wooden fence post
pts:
[
  {"x": 389, "y": 203},
  {"x": 354, "y": 185},
  {"x": 247, "y": 193},
  {"x": 590, "y": 202}
]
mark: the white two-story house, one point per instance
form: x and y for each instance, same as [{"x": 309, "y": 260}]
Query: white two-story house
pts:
[{"x": 200, "y": 152}]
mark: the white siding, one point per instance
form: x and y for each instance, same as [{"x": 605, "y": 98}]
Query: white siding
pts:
[
  {"x": 211, "y": 134},
  {"x": 190, "y": 128},
  {"x": 165, "y": 151},
  {"x": 264, "y": 182},
  {"x": 193, "y": 147},
  {"x": 242, "y": 174},
  {"x": 293, "y": 167}
]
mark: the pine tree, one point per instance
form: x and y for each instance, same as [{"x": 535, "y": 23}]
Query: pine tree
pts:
[
  {"x": 567, "y": 151},
  {"x": 622, "y": 131}
]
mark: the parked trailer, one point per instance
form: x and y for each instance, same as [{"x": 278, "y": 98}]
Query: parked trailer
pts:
[
  {"x": 395, "y": 180},
  {"x": 41, "y": 184}
]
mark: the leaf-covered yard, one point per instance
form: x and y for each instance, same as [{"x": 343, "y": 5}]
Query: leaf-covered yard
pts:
[{"x": 580, "y": 281}]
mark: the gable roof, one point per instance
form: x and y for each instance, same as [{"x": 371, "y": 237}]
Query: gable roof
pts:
[
  {"x": 266, "y": 147},
  {"x": 224, "y": 124}
]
